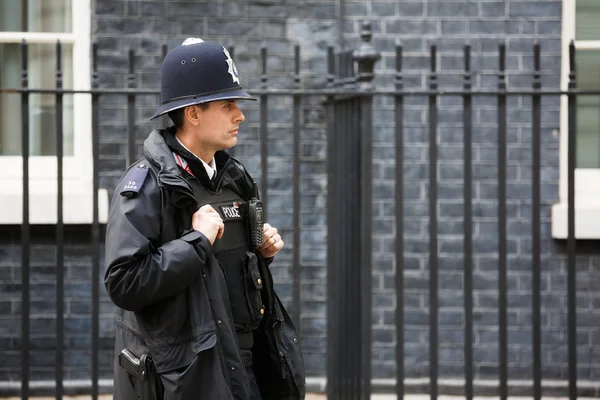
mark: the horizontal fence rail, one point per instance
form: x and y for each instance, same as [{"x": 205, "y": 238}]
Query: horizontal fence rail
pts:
[{"x": 349, "y": 95}]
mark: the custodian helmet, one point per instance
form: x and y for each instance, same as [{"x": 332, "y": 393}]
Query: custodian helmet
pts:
[{"x": 197, "y": 72}]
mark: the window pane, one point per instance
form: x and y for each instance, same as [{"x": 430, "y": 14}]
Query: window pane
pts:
[
  {"x": 586, "y": 21},
  {"x": 35, "y": 15},
  {"x": 588, "y": 110},
  {"x": 42, "y": 112}
]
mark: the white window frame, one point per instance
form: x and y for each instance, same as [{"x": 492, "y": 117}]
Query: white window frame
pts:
[
  {"x": 77, "y": 168},
  {"x": 587, "y": 180}
]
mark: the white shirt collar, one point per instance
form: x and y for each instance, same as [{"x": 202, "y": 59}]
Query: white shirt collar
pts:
[{"x": 211, "y": 168}]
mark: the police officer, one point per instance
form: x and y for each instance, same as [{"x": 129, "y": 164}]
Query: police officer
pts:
[{"x": 187, "y": 252}]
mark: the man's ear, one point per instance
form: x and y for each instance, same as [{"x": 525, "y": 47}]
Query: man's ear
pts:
[{"x": 191, "y": 114}]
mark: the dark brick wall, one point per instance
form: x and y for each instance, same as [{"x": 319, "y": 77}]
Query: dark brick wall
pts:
[
  {"x": 278, "y": 24},
  {"x": 77, "y": 306}
]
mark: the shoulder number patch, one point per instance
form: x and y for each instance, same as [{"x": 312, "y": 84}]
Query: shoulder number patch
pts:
[{"x": 133, "y": 181}]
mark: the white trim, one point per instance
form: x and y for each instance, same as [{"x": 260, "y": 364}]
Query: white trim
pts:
[
  {"x": 37, "y": 37},
  {"x": 77, "y": 205},
  {"x": 77, "y": 169},
  {"x": 587, "y": 181},
  {"x": 587, "y": 44},
  {"x": 568, "y": 34}
]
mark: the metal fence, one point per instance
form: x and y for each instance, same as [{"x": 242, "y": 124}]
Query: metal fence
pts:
[{"x": 349, "y": 93}]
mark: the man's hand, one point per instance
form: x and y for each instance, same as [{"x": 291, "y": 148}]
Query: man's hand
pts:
[
  {"x": 272, "y": 242},
  {"x": 209, "y": 222}
]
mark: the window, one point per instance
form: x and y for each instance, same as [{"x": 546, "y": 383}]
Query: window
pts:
[
  {"x": 42, "y": 23},
  {"x": 580, "y": 23}
]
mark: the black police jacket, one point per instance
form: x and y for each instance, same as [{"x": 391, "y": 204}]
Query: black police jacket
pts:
[{"x": 172, "y": 296}]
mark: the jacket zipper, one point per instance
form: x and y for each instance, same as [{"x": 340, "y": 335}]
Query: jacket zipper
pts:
[
  {"x": 279, "y": 352},
  {"x": 282, "y": 360}
]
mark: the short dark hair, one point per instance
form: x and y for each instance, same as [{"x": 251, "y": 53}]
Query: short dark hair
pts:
[{"x": 177, "y": 115}]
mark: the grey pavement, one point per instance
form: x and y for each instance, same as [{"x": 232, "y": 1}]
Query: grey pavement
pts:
[{"x": 319, "y": 396}]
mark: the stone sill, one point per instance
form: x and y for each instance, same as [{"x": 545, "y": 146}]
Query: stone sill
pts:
[
  {"x": 587, "y": 221},
  {"x": 77, "y": 206}
]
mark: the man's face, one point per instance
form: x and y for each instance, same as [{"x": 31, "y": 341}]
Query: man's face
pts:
[{"x": 219, "y": 125}]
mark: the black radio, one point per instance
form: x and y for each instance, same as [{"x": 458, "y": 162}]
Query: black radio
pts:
[{"x": 256, "y": 222}]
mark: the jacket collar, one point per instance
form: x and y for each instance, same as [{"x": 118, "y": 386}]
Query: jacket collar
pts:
[{"x": 158, "y": 152}]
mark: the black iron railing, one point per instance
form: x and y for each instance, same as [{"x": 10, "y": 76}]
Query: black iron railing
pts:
[{"x": 349, "y": 106}]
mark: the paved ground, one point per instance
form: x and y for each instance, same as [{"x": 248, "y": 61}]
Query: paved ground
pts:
[
  {"x": 314, "y": 396},
  {"x": 106, "y": 397}
]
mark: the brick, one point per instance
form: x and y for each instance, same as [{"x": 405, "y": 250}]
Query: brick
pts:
[
  {"x": 229, "y": 28},
  {"x": 234, "y": 9},
  {"x": 411, "y": 9},
  {"x": 106, "y": 7},
  {"x": 152, "y": 9},
  {"x": 535, "y": 9},
  {"x": 355, "y": 9},
  {"x": 191, "y": 9},
  {"x": 383, "y": 9},
  {"x": 489, "y": 27},
  {"x": 412, "y": 27},
  {"x": 452, "y": 8},
  {"x": 453, "y": 27},
  {"x": 493, "y": 9},
  {"x": 551, "y": 28}
]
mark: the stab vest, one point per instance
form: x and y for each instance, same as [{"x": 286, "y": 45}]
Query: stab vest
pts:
[{"x": 237, "y": 259}]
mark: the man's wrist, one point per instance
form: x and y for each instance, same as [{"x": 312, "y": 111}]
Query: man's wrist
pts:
[
  {"x": 196, "y": 239},
  {"x": 192, "y": 236}
]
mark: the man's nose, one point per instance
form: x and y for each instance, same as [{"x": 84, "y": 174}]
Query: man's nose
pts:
[{"x": 240, "y": 117}]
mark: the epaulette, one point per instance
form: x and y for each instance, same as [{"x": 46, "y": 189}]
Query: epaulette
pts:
[{"x": 133, "y": 181}]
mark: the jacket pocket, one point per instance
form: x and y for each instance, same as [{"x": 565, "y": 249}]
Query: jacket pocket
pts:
[
  {"x": 253, "y": 285},
  {"x": 279, "y": 366},
  {"x": 202, "y": 378}
]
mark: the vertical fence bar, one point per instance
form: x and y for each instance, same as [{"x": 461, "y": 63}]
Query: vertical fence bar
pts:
[
  {"x": 25, "y": 228},
  {"x": 95, "y": 224},
  {"x": 502, "y": 230},
  {"x": 296, "y": 300},
  {"x": 345, "y": 134},
  {"x": 359, "y": 375},
  {"x": 399, "y": 98},
  {"x": 333, "y": 318},
  {"x": 433, "y": 244},
  {"x": 352, "y": 119},
  {"x": 571, "y": 268},
  {"x": 231, "y": 51},
  {"x": 366, "y": 56},
  {"x": 165, "y": 118},
  {"x": 365, "y": 240},
  {"x": 535, "y": 224},
  {"x": 468, "y": 224},
  {"x": 60, "y": 276},
  {"x": 131, "y": 151},
  {"x": 264, "y": 148},
  {"x": 340, "y": 122}
]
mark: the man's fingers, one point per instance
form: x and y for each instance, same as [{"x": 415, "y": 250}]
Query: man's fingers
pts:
[
  {"x": 221, "y": 230},
  {"x": 274, "y": 240},
  {"x": 206, "y": 208}
]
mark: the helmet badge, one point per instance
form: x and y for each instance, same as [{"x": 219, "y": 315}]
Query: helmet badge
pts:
[
  {"x": 191, "y": 40},
  {"x": 232, "y": 70}
]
